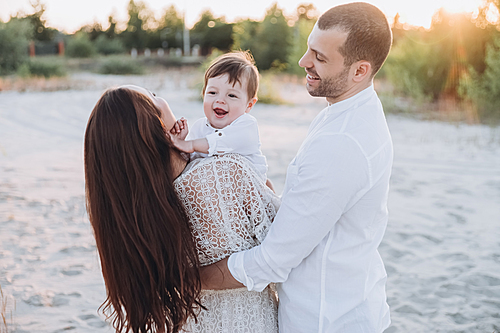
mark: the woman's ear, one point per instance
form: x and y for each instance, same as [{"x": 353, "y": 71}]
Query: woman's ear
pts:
[
  {"x": 363, "y": 70},
  {"x": 250, "y": 104}
]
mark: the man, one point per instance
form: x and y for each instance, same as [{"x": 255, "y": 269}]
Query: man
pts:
[{"x": 323, "y": 243}]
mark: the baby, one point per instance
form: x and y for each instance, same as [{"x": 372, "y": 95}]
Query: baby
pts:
[{"x": 229, "y": 93}]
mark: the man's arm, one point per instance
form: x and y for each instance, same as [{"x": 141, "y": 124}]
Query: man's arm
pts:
[
  {"x": 217, "y": 276},
  {"x": 328, "y": 177}
]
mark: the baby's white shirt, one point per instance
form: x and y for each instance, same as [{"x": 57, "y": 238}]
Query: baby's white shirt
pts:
[{"x": 240, "y": 137}]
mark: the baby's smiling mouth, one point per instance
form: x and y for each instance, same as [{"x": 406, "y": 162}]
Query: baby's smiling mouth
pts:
[{"x": 219, "y": 113}]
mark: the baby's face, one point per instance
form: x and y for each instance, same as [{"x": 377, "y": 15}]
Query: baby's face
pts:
[{"x": 223, "y": 102}]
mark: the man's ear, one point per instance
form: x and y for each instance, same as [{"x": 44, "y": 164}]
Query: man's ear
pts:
[
  {"x": 250, "y": 104},
  {"x": 363, "y": 70}
]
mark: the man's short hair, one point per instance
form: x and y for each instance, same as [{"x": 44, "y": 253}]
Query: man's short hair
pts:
[
  {"x": 369, "y": 36},
  {"x": 237, "y": 65}
]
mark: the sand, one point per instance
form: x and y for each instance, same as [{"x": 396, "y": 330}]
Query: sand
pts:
[{"x": 441, "y": 249}]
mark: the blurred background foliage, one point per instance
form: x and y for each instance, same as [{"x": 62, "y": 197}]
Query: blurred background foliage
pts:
[{"x": 457, "y": 59}]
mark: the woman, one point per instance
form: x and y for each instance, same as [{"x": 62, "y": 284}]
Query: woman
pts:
[{"x": 156, "y": 219}]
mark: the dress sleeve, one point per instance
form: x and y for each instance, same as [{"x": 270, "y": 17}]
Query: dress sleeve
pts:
[
  {"x": 229, "y": 207},
  {"x": 241, "y": 137}
]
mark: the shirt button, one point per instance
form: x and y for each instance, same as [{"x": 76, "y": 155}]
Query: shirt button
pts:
[
  {"x": 216, "y": 131},
  {"x": 220, "y": 134}
]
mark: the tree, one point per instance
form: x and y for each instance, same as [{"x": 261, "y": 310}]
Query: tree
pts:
[
  {"x": 306, "y": 18},
  {"x": 40, "y": 31},
  {"x": 111, "y": 31},
  {"x": 14, "y": 39},
  {"x": 211, "y": 32},
  {"x": 135, "y": 36},
  {"x": 275, "y": 37},
  {"x": 170, "y": 30},
  {"x": 484, "y": 89}
]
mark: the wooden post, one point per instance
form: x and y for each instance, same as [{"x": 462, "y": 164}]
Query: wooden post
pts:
[
  {"x": 32, "y": 49},
  {"x": 60, "y": 48}
]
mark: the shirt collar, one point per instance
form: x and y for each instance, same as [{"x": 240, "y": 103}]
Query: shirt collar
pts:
[{"x": 352, "y": 102}]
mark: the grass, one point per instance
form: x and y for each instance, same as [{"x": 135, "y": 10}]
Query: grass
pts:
[
  {"x": 5, "y": 318},
  {"x": 445, "y": 109}
]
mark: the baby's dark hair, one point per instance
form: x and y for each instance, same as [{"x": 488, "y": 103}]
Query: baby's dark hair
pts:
[{"x": 237, "y": 65}]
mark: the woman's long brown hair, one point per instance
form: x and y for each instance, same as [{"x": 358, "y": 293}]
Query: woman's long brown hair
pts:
[{"x": 148, "y": 255}]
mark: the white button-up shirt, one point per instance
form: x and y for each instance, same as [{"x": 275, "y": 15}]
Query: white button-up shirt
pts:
[
  {"x": 240, "y": 137},
  {"x": 323, "y": 243}
]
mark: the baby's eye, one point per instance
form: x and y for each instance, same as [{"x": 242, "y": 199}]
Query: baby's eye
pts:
[
  {"x": 233, "y": 96},
  {"x": 210, "y": 92}
]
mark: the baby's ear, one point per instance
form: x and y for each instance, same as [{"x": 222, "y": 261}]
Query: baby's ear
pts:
[{"x": 250, "y": 104}]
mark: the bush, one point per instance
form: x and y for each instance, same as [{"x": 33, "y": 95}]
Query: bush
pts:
[
  {"x": 42, "y": 68},
  {"x": 80, "y": 46},
  {"x": 121, "y": 67},
  {"x": 14, "y": 41},
  {"x": 268, "y": 92},
  {"x": 484, "y": 89},
  {"x": 418, "y": 69},
  {"x": 106, "y": 46}
]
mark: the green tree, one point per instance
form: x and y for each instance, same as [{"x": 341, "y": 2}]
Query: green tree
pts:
[
  {"x": 307, "y": 16},
  {"x": 211, "y": 32},
  {"x": 136, "y": 35},
  {"x": 40, "y": 31},
  {"x": 270, "y": 41},
  {"x": 111, "y": 31},
  {"x": 14, "y": 40},
  {"x": 484, "y": 89},
  {"x": 170, "y": 29}
]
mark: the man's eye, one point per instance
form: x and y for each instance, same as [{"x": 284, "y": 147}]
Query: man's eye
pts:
[{"x": 319, "y": 59}]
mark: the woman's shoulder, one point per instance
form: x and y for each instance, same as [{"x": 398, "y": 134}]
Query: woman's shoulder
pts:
[{"x": 225, "y": 163}]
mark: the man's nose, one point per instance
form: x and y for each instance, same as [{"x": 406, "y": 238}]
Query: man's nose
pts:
[{"x": 305, "y": 62}]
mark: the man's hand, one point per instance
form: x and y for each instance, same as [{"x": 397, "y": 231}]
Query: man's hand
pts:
[{"x": 217, "y": 276}]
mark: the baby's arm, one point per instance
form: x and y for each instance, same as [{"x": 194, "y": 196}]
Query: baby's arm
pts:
[{"x": 179, "y": 133}]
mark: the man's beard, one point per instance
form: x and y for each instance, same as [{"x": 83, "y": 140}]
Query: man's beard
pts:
[{"x": 332, "y": 87}]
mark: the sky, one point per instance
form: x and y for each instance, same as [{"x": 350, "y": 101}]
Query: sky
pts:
[{"x": 70, "y": 15}]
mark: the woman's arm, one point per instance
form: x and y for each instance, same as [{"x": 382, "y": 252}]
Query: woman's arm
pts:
[{"x": 217, "y": 276}]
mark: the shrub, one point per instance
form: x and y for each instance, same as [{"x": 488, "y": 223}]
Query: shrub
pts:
[
  {"x": 417, "y": 68},
  {"x": 106, "y": 46},
  {"x": 268, "y": 91},
  {"x": 484, "y": 89},
  {"x": 14, "y": 41},
  {"x": 80, "y": 46},
  {"x": 43, "y": 68},
  {"x": 121, "y": 67}
]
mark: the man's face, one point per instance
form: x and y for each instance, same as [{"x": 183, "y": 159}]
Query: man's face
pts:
[{"x": 324, "y": 65}]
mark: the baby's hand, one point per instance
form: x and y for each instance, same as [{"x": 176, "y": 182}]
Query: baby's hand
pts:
[
  {"x": 180, "y": 128},
  {"x": 181, "y": 143}
]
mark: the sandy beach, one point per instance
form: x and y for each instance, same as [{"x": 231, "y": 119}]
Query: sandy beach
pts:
[{"x": 441, "y": 248}]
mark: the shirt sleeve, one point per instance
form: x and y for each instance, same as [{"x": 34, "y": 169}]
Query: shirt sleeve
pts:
[
  {"x": 196, "y": 130},
  {"x": 331, "y": 173},
  {"x": 241, "y": 137}
]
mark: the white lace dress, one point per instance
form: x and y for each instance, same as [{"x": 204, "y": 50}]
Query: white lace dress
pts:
[{"x": 230, "y": 209}]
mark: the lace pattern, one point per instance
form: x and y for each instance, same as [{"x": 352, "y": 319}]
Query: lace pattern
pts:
[{"x": 230, "y": 210}]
